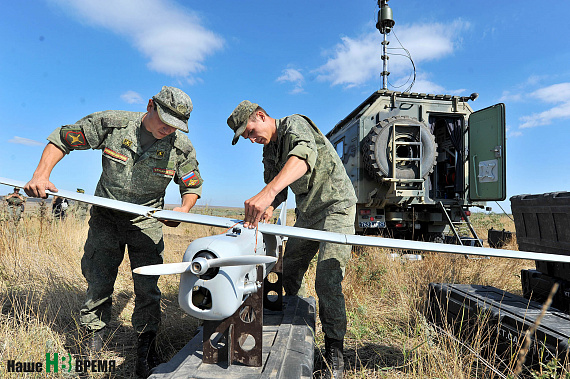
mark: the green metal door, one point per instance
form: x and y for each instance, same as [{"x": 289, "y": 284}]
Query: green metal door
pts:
[{"x": 487, "y": 160}]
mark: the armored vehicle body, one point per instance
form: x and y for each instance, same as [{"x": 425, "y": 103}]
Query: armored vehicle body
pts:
[{"x": 418, "y": 162}]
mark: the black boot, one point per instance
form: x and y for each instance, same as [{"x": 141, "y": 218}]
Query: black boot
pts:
[
  {"x": 334, "y": 359},
  {"x": 147, "y": 356}
]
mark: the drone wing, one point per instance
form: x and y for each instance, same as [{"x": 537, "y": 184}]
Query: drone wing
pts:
[
  {"x": 140, "y": 210},
  {"x": 310, "y": 234}
]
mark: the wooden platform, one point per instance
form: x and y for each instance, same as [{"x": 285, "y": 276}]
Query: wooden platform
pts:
[{"x": 288, "y": 349}]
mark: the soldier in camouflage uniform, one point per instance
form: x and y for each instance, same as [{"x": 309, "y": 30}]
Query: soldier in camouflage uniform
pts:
[
  {"x": 15, "y": 205},
  {"x": 141, "y": 154},
  {"x": 296, "y": 154}
]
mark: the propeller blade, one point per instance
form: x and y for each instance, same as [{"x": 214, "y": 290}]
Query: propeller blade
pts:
[
  {"x": 163, "y": 269},
  {"x": 200, "y": 265}
]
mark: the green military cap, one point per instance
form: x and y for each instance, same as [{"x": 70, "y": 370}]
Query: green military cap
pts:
[
  {"x": 238, "y": 119},
  {"x": 16, "y": 189},
  {"x": 174, "y": 107}
]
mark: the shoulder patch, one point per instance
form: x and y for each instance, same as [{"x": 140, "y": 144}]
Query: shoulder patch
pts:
[
  {"x": 192, "y": 179},
  {"x": 74, "y": 137}
]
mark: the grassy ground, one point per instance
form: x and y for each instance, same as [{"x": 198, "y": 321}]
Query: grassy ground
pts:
[{"x": 42, "y": 289}]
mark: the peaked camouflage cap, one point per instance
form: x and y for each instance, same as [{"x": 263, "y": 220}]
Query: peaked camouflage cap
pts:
[
  {"x": 238, "y": 119},
  {"x": 174, "y": 107}
]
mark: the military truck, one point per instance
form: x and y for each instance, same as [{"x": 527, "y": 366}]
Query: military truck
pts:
[{"x": 418, "y": 162}]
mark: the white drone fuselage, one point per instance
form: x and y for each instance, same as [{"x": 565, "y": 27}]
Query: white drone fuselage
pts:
[{"x": 219, "y": 292}]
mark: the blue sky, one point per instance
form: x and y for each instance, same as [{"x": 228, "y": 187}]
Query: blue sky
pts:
[{"x": 64, "y": 59}]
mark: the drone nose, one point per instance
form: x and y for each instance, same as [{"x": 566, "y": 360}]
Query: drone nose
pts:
[{"x": 199, "y": 266}]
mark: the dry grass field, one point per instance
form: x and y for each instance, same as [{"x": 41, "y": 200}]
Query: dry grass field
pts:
[{"x": 42, "y": 289}]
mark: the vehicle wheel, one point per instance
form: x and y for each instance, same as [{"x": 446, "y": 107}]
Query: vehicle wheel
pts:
[{"x": 378, "y": 148}]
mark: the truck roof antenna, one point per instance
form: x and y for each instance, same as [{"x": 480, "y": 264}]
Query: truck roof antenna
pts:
[{"x": 384, "y": 25}]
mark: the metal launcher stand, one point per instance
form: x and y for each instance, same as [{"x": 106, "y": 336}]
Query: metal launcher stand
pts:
[{"x": 239, "y": 338}]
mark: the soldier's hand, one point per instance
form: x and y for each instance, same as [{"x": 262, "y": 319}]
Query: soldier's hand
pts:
[
  {"x": 38, "y": 187},
  {"x": 266, "y": 216},
  {"x": 173, "y": 224},
  {"x": 256, "y": 207}
]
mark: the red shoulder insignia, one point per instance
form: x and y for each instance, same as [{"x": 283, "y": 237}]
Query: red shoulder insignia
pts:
[{"x": 75, "y": 138}]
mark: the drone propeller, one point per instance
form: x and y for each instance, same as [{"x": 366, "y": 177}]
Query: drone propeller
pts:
[{"x": 200, "y": 265}]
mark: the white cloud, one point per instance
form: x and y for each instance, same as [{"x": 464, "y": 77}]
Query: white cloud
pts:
[
  {"x": 171, "y": 37},
  {"x": 424, "y": 85},
  {"x": 556, "y": 94},
  {"x": 561, "y": 111},
  {"x": 508, "y": 96},
  {"x": 25, "y": 141},
  {"x": 355, "y": 61},
  {"x": 512, "y": 133},
  {"x": 132, "y": 97},
  {"x": 294, "y": 76}
]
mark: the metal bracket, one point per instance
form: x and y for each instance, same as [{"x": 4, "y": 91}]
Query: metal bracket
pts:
[
  {"x": 274, "y": 288},
  {"x": 238, "y": 338}
]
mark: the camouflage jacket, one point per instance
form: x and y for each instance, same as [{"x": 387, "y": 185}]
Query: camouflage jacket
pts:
[
  {"x": 129, "y": 174},
  {"x": 325, "y": 187},
  {"x": 15, "y": 200}
]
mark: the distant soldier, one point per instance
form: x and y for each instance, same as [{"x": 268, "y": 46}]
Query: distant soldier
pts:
[
  {"x": 79, "y": 208},
  {"x": 15, "y": 205},
  {"x": 59, "y": 207}
]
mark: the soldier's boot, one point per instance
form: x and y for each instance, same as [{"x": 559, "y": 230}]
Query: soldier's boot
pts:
[
  {"x": 94, "y": 341},
  {"x": 334, "y": 358},
  {"x": 147, "y": 356}
]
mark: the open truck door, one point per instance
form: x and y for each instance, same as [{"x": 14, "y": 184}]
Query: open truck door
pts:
[{"x": 487, "y": 149}]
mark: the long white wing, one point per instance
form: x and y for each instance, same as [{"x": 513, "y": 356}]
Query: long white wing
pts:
[
  {"x": 140, "y": 210},
  {"x": 310, "y": 234}
]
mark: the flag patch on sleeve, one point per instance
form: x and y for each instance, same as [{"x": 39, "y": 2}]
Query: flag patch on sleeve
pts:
[{"x": 191, "y": 179}]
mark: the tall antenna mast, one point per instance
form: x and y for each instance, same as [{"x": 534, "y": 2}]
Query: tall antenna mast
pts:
[{"x": 384, "y": 25}]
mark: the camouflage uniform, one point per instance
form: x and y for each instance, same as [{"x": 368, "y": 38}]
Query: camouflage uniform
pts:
[
  {"x": 15, "y": 207},
  {"x": 325, "y": 201},
  {"x": 136, "y": 176}
]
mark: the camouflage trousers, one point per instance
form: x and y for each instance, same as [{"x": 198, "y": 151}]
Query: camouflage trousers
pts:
[
  {"x": 103, "y": 253},
  {"x": 331, "y": 264}
]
